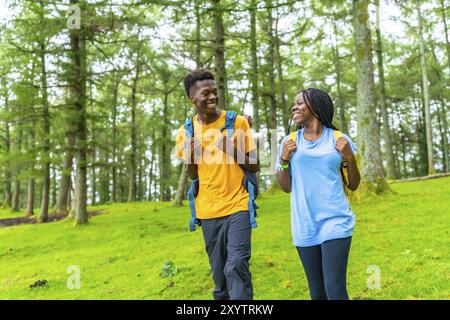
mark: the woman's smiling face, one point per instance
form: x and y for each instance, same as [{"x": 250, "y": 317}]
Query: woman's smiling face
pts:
[{"x": 300, "y": 111}]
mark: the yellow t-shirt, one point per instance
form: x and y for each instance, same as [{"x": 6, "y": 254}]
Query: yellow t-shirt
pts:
[{"x": 221, "y": 191}]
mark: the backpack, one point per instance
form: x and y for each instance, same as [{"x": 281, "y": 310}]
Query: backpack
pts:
[
  {"x": 250, "y": 180},
  {"x": 344, "y": 163}
]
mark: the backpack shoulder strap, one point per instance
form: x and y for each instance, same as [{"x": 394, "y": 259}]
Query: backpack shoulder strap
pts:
[
  {"x": 189, "y": 127},
  {"x": 337, "y": 134},
  {"x": 344, "y": 165},
  {"x": 293, "y": 136},
  {"x": 230, "y": 118}
]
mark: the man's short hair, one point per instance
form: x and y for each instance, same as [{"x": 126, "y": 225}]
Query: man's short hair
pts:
[{"x": 194, "y": 76}]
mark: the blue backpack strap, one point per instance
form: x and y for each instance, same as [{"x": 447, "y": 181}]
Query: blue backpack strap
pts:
[
  {"x": 192, "y": 193},
  {"x": 251, "y": 204},
  {"x": 189, "y": 128},
  {"x": 249, "y": 180},
  {"x": 193, "y": 189},
  {"x": 230, "y": 118}
]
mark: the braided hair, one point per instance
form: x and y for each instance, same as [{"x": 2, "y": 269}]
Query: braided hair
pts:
[{"x": 320, "y": 105}]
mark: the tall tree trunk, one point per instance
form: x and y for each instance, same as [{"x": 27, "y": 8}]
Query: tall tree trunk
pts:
[
  {"x": 442, "y": 116},
  {"x": 337, "y": 69},
  {"x": 219, "y": 54},
  {"x": 30, "y": 197},
  {"x": 16, "y": 195},
  {"x": 198, "y": 47},
  {"x": 164, "y": 162},
  {"x": 93, "y": 150},
  {"x": 31, "y": 182},
  {"x": 405, "y": 172},
  {"x": 104, "y": 178},
  {"x": 368, "y": 130},
  {"x": 182, "y": 183},
  {"x": 421, "y": 137},
  {"x": 152, "y": 162},
  {"x": 384, "y": 112},
  {"x": 78, "y": 55},
  {"x": 447, "y": 42},
  {"x": 114, "y": 138},
  {"x": 133, "y": 134},
  {"x": 7, "y": 201},
  {"x": 254, "y": 70},
  {"x": 15, "y": 206},
  {"x": 121, "y": 184},
  {"x": 271, "y": 93},
  {"x": 43, "y": 216},
  {"x": 426, "y": 95},
  {"x": 62, "y": 201},
  {"x": 139, "y": 178},
  {"x": 53, "y": 184},
  {"x": 279, "y": 63},
  {"x": 445, "y": 131}
]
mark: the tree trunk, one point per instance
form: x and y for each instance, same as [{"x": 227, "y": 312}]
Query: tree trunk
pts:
[
  {"x": 384, "y": 112},
  {"x": 93, "y": 150},
  {"x": 444, "y": 136},
  {"x": 7, "y": 201},
  {"x": 219, "y": 54},
  {"x": 279, "y": 63},
  {"x": 447, "y": 42},
  {"x": 78, "y": 52},
  {"x": 337, "y": 68},
  {"x": 254, "y": 70},
  {"x": 442, "y": 116},
  {"x": 164, "y": 163},
  {"x": 181, "y": 187},
  {"x": 152, "y": 161},
  {"x": 198, "y": 48},
  {"x": 53, "y": 184},
  {"x": 16, "y": 195},
  {"x": 426, "y": 96},
  {"x": 31, "y": 182},
  {"x": 114, "y": 139},
  {"x": 62, "y": 202},
  {"x": 43, "y": 216},
  {"x": 271, "y": 93},
  {"x": 421, "y": 137},
  {"x": 133, "y": 134},
  {"x": 368, "y": 130}
]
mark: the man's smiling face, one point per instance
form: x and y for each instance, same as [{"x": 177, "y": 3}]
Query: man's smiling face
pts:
[{"x": 204, "y": 96}]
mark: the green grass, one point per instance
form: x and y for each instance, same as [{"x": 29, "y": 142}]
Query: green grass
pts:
[{"x": 121, "y": 253}]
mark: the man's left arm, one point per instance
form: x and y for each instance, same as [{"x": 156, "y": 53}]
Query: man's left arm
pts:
[{"x": 244, "y": 151}]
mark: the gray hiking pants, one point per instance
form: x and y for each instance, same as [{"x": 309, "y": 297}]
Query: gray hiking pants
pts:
[{"x": 227, "y": 241}]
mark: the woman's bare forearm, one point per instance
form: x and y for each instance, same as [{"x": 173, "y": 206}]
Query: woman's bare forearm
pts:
[
  {"x": 284, "y": 180},
  {"x": 354, "y": 176}
]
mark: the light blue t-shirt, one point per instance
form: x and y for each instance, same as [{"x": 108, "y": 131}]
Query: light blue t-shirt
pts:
[{"x": 320, "y": 210}]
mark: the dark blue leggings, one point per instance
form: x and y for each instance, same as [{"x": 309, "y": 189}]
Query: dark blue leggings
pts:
[{"x": 326, "y": 267}]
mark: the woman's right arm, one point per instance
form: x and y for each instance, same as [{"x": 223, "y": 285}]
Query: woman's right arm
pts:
[
  {"x": 284, "y": 180},
  {"x": 284, "y": 175}
]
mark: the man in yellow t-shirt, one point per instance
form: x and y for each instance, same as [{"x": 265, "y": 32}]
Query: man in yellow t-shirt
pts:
[{"x": 222, "y": 200}]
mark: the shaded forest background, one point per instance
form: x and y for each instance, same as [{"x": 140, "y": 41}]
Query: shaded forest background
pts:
[{"x": 91, "y": 92}]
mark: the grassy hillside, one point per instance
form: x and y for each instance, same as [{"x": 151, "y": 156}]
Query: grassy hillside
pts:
[{"x": 121, "y": 253}]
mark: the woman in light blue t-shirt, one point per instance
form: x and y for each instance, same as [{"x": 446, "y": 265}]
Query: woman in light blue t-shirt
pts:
[{"x": 321, "y": 217}]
